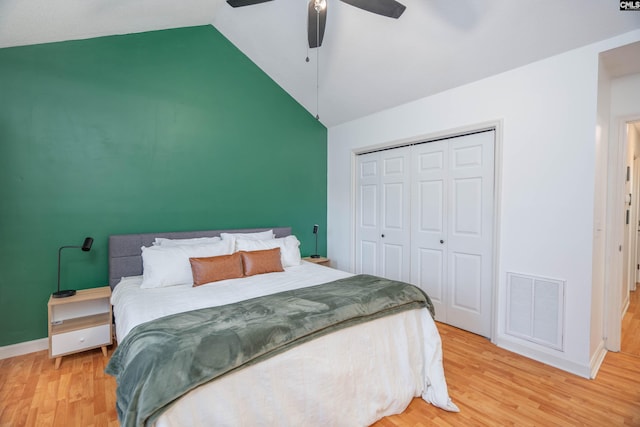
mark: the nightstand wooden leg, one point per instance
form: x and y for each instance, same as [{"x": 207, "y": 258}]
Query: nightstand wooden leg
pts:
[
  {"x": 104, "y": 350},
  {"x": 58, "y": 362}
]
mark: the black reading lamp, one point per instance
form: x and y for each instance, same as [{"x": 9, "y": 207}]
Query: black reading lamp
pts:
[
  {"x": 86, "y": 247},
  {"x": 315, "y": 231}
]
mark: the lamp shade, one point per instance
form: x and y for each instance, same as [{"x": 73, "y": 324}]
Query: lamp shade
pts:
[{"x": 86, "y": 246}]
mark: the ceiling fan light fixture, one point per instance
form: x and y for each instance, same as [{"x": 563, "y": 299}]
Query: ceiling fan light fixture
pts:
[{"x": 317, "y": 13}]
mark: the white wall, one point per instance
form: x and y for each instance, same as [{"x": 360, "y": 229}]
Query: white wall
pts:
[
  {"x": 625, "y": 92},
  {"x": 548, "y": 111}
]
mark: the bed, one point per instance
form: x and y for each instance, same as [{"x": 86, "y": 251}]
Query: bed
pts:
[{"x": 350, "y": 376}]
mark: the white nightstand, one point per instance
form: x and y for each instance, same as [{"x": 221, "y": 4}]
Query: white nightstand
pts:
[
  {"x": 80, "y": 322},
  {"x": 321, "y": 261}
]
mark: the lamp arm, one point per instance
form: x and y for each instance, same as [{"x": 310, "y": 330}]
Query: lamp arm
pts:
[{"x": 59, "y": 254}]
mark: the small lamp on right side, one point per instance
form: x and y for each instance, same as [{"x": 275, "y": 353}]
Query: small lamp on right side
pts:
[{"x": 315, "y": 231}]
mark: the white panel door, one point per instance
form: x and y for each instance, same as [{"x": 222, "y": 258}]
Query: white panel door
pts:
[
  {"x": 367, "y": 213},
  {"x": 395, "y": 214},
  {"x": 429, "y": 222},
  {"x": 452, "y": 228},
  {"x": 383, "y": 214},
  {"x": 470, "y": 233}
]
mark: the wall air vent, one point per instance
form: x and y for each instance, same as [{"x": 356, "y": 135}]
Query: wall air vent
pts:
[{"x": 535, "y": 309}]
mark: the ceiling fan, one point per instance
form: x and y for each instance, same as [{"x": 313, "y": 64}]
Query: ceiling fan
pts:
[{"x": 317, "y": 13}]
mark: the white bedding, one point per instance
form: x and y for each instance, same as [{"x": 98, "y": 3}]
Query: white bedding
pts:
[
  {"x": 133, "y": 305},
  {"x": 351, "y": 377}
]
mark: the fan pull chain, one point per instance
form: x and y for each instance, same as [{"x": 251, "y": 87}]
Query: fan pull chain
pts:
[{"x": 317, "y": 63}]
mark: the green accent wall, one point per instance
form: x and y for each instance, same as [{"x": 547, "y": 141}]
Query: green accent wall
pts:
[{"x": 162, "y": 131}]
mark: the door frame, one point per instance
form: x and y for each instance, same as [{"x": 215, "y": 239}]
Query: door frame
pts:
[
  {"x": 614, "y": 258},
  {"x": 495, "y": 125},
  {"x": 636, "y": 217}
]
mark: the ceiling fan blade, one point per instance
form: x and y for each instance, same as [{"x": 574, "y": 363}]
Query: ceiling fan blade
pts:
[
  {"x": 240, "y": 3},
  {"x": 315, "y": 25},
  {"x": 390, "y": 8}
]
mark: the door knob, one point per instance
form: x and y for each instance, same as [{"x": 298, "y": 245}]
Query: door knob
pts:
[
  {"x": 382, "y": 235},
  {"x": 441, "y": 241}
]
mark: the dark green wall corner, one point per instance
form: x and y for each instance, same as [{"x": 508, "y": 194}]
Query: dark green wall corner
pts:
[{"x": 162, "y": 131}]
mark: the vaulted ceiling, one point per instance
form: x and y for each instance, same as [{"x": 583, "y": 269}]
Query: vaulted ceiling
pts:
[{"x": 367, "y": 62}]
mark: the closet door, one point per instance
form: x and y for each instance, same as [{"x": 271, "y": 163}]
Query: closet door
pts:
[
  {"x": 383, "y": 214},
  {"x": 429, "y": 220},
  {"x": 367, "y": 214},
  {"x": 452, "y": 228}
]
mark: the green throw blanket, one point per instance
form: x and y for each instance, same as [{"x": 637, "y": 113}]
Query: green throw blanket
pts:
[{"x": 161, "y": 360}]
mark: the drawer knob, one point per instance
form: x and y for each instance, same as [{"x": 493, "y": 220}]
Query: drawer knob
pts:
[{"x": 82, "y": 339}]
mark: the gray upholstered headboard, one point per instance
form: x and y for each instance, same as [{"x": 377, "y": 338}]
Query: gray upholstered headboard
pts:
[{"x": 125, "y": 255}]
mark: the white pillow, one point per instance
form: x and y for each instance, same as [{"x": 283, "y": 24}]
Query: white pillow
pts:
[
  {"x": 161, "y": 241},
  {"x": 169, "y": 265},
  {"x": 261, "y": 235},
  {"x": 289, "y": 248}
]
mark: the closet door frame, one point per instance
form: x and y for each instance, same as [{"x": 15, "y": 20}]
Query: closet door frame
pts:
[{"x": 497, "y": 126}]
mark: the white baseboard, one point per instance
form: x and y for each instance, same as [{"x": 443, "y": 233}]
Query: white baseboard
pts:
[
  {"x": 24, "y": 348},
  {"x": 566, "y": 365},
  {"x": 597, "y": 359}
]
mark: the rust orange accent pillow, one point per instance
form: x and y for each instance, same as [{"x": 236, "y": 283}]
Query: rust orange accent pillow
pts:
[
  {"x": 212, "y": 269},
  {"x": 259, "y": 262}
]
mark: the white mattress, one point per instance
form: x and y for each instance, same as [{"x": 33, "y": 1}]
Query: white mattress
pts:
[{"x": 351, "y": 377}]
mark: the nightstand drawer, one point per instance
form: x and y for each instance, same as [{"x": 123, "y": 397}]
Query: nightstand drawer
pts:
[{"x": 73, "y": 341}]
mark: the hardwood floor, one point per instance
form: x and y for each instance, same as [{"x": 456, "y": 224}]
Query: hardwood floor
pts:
[
  {"x": 630, "y": 342},
  {"x": 33, "y": 393},
  {"x": 492, "y": 387}
]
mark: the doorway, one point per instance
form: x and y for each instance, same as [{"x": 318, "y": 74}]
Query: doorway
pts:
[
  {"x": 624, "y": 223},
  {"x": 630, "y": 335}
]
